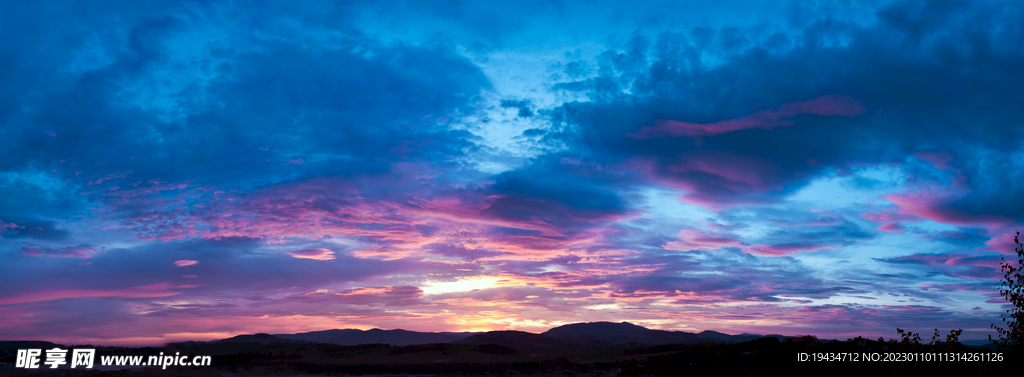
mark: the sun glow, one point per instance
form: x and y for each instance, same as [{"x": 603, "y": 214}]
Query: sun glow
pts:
[{"x": 461, "y": 285}]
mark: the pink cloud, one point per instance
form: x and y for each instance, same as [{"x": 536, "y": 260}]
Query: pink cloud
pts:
[
  {"x": 678, "y": 297},
  {"x": 6, "y": 225},
  {"x": 891, "y": 228},
  {"x": 695, "y": 240},
  {"x": 154, "y": 290},
  {"x": 156, "y": 213},
  {"x": 1002, "y": 241},
  {"x": 452, "y": 209},
  {"x": 828, "y": 105},
  {"x": 972, "y": 260},
  {"x": 931, "y": 206},
  {"x": 386, "y": 290},
  {"x": 742, "y": 172},
  {"x": 185, "y": 262},
  {"x": 386, "y": 295},
  {"x": 965, "y": 265},
  {"x": 326, "y": 207},
  {"x": 936, "y": 202},
  {"x": 110, "y": 176},
  {"x": 885, "y": 217},
  {"x": 784, "y": 249},
  {"x": 938, "y": 160},
  {"x": 64, "y": 252},
  {"x": 314, "y": 254},
  {"x": 716, "y": 179}
]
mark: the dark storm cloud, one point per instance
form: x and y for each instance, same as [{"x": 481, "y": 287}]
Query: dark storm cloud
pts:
[
  {"x": 241, "y": 110},
  {"x": 932, "y": 77},
  {"x": 564, "y": 191},
  {"x": 124, "y": 118}
]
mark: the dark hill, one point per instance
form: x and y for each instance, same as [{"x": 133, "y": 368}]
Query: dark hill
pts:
[
  {"x": 597, "y": 329},
  {"x": 515, "y": 339},
  {"x": 259, "y": 338},
  {"x": 714, "y": 335},
  {"x": 325, "y": 336},
  {"x": 399, "y": 337},
  {"x": 726, "y": 338},
  {"x": 619, "y": 333},
  {"x": 590, "y": 334}
]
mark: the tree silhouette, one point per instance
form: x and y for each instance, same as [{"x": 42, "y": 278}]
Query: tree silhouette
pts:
[
  {"x": 910, "y": 338},
  {"x": 1012, "y": 288}
]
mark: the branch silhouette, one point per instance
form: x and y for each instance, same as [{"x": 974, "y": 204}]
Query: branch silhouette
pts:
[{"x": 1012, "y": 288}]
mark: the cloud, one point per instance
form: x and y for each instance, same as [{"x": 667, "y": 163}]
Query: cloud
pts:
[
  {"x": 314, "y": 254},
  {"x": 891, "y": 228},
  {"x": 827, "y": 105},
  {"x": 5, "y": 225},
  {"x": 973, "y": 266},
  {"x": 695, "y": 240},
  {"x": 787, "y": 248},
  {"x": 33, "y": 229},
  {"x": 185, "y": 262},
  {"x": 723, "y": 149},
  {"x": 66, "y": 252},
  {"x": 523, "y": 106},
  {"x": 154, "y": 290},
  {"x": 383, "y": 295},
  {"x": 931, "y": 207}
]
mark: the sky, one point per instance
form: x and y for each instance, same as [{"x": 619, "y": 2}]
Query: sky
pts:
[{"x": 189, "y": 170}]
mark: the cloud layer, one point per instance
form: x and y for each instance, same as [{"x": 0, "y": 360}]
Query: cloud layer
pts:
[{"x": 201, "y": 170}]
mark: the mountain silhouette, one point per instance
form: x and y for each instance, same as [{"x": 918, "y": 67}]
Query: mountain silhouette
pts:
[
  {"x": 571, "y": 335},
  {"x": 619, "y": 333},
  {"x": 325, "y": 336},
  {"x": 708, "y": 334},
  {"x": 515, "y": 339},
  {"x": 398, "y": 337},
  {"x": 597, "y": 329},
  {"x": 259, "y": 338}
]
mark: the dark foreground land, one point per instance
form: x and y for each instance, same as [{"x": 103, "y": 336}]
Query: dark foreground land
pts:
[{"x": 549, "y": 357}]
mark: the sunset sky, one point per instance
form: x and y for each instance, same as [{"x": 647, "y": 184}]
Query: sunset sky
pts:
[{"x": 191, "y": 171}]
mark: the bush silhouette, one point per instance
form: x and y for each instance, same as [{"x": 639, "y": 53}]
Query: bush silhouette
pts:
[{"x": 1012, "y": 288}]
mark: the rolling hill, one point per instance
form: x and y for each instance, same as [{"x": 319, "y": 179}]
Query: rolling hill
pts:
[{"x": 398, "y": 337}]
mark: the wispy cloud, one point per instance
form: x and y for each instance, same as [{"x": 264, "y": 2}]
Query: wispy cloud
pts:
[{"x": 314, "y": 254}]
